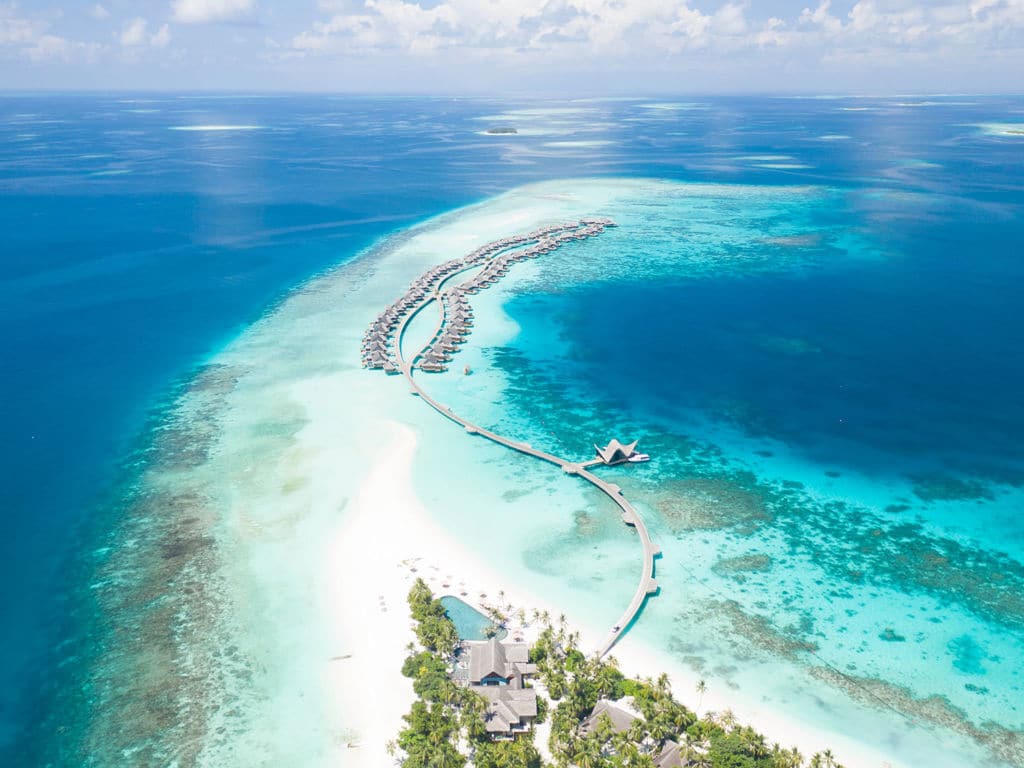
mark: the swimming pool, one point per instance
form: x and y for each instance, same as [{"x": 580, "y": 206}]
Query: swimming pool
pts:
[{"x": 469, "y": 622}]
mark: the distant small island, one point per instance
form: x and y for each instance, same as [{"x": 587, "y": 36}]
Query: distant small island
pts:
[{"x": 501, "y": 130}]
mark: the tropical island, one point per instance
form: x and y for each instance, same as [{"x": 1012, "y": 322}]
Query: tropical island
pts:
[
  {"x": 501, "y": 130},
  {"x": 497, "y": 704}
]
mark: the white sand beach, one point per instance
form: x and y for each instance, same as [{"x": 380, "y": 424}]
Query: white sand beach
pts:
[{"x": 387, "y": 541}]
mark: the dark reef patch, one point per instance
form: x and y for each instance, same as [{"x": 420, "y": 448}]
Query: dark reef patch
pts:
[
  {"x": 148, "y": 664},
  {"x": 1003, "y": 743},
  {"x": 711, "y": 503},
  {"x": 944, "y": 487},
  {"x": 749, "y": 634},
  {"x": 736, "y": 568},
  {"x": 968, "y": 656}
]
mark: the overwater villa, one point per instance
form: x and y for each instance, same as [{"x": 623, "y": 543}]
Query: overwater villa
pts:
[{"x": 618, "y": 453}]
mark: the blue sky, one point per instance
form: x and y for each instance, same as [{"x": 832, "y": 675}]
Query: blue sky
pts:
[{"x": 507, "y": 46}]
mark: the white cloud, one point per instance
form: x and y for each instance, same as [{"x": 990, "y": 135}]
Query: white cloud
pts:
[
  {"x": 49, "y": 47},
  {"x": 99, "y": 13},
  {"x": 730, "y": 20},
  {"x": 30, "y": 37},
  {"x": 134, "y": 32},
  {"x": 206, "y": 11},
  {"x": 161, "y": 37},
  {"x": 569, "y": 26},
  {"x": 821, "y": 17},
  {"x": 16, "y": 30},
  {"x": 909, "y": 26},
  {"x": 713, "y": 36}
]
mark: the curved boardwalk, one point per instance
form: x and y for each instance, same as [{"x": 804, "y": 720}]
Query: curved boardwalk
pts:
[{"x": 647, "y": 584}]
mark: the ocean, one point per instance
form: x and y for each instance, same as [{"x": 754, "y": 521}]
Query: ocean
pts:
[{"x": 808, "y": 315}]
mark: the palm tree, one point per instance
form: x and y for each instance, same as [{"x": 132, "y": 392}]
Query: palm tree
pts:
[
  {"x": 637, "y": 730},
  {"x": 702, "y": 688},
  {"x": 660, "y": 728},
  {"x": 727, "y": 720},
  {"x": 448, "y": 757},
  {"x": 589, "y": 754},
  {"x": 663, "y": 685},
  {"x": 606, "y": 676},
  {"x": 758, "y": 748},
  {"x": 830, "y": 759}
]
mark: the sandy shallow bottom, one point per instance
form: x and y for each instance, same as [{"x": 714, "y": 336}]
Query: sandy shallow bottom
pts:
[{"x": 334, "y": 489}]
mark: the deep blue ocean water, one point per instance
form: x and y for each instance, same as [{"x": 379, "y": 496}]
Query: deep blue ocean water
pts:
[{"x": 133, "y": 250}]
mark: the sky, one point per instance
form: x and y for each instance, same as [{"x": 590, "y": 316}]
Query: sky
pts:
[{"x": 513, "y": 46}]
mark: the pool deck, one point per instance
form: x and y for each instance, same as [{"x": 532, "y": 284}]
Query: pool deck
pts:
[{"x": 431, "y": 290}]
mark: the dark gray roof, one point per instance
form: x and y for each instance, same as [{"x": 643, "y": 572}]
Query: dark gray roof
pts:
[
  {"x": 507, "y": 706},
  {"x": 487, "y": 659},
  {"x": 671, "y": 756},
  {"x": 621, "y": 719},
  {"x": 496, "y": 659}
]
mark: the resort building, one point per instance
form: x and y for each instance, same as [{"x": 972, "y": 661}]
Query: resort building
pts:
[
  {"x": 509, "y": 711},
  {"x": 497, "y": 671},
  {"x": 621, "y": 719},
  {"x": 495, "y": 663},
  {"x": 617, "y": 453},
  {"x": 672, "y": 755}
]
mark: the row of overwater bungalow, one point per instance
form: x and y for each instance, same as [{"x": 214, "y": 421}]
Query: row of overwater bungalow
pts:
[
  {"x": 378, "y": 346},
  {"x": 458, "y": 319}
]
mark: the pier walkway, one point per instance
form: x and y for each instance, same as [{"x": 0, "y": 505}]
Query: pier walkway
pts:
[{"x": 647, "y": 585}]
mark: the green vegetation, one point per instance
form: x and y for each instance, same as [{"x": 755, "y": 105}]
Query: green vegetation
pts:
[
  {"x": 445, "y": 727},
  {"x": 434, "y": 629},
  {"x": 577, "y": 683}
]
